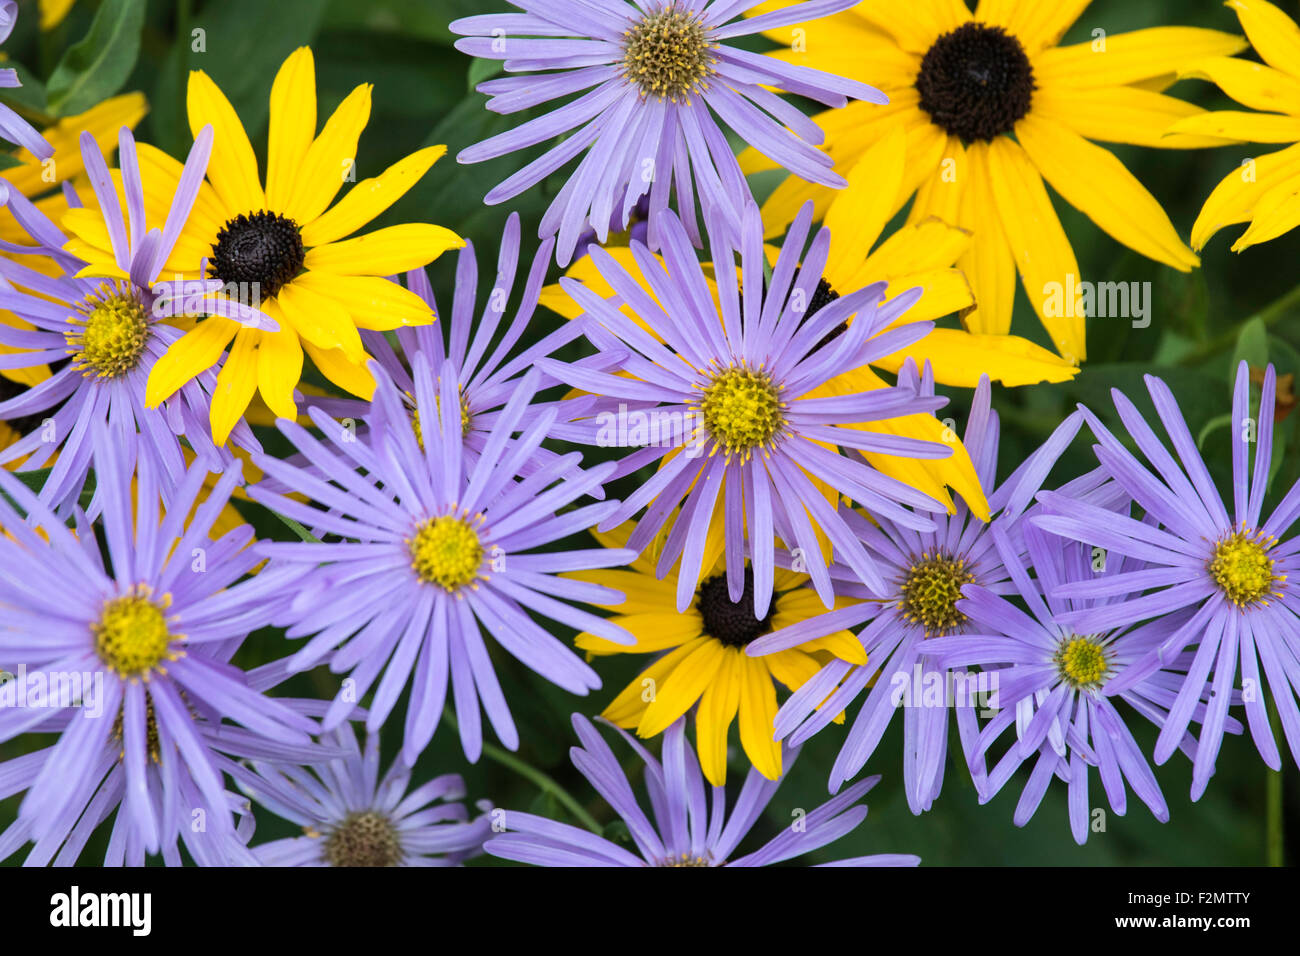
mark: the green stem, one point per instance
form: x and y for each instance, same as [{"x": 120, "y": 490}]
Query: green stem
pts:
[
  {"x": 1272, "y": 313},
  {"x": 542, "y": 781},
  {"x": 1274, "y": 836}
]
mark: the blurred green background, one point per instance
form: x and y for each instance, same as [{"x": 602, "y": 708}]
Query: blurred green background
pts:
[{"x": 1201, "y": 325}]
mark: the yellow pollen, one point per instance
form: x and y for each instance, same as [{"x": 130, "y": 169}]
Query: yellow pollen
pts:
[
  {"x": 111, "y": 337},
  {"x": 931, "y": 591},
  {"x": 465, "y": 419},
  {"x": 446, "y": 551},
  {"x": 1082, "y": 662},
  {"x": 742, "y": 409},
  {"x": 685, "y": 860},
  {"x": 1242, "y": 568},
  {"x": 131, "y": 635},
  {"x": 667, "y": 55},
  {"x": 367, "y": 838}
]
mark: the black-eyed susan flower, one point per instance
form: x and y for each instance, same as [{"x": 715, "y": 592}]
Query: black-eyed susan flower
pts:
[
  {"x": 962, "y": 84},
  {"x": 702, "y": 662},
  {"x": 279, "y": 249},
  {"x": 1264, "y": 191}
]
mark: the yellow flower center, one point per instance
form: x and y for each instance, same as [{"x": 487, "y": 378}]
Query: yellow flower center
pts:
[
  {"x": 131, "y": 635},
  {"x": 1082, "y": 662},
  {"x": 667, "y": 54},
  {"x": 1242, "y": 568},
  {"x": 685, "y": 860},
  {"x": 465, "y": 419},
  {"x": 112, "y": 335},
  {"x": 363, "y": 839},
  {"x": 446, "y": 551},
  {"x": 742, "y": 410},
  {"x": 931, "y": 591}
]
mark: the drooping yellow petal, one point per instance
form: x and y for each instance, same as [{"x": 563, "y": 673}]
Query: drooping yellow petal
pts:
[
  {"x": 232, "y": 167},
  {"x": 194, "y": 352},
  {"x": 236, "y": 383},
  {"x": 792, "y": 668},
  {"x": 1042, "y": 252},
  {"x": 1234, "y": 199},
  {"x": 643, "y": 593},
  {"x": 279, "y": 366},
  {"x": 675, "y": 695},
  {"x": 988, "y": 263},
  {"x": 385, "y": 251},
  {"x": 330, "y": 160},
  {"x": 758, "y": 718},
  {"x": 1272, "y": 33},
  {"x": 1250, "y": 84},
  {"x": 654, "y": 631},
  {"x": 1097, "y": 184},
  {"x": 718, "y": 706},
  {"x": 842, "y": 644},
  {"x": 292, "y": 125},
  {"x": 368, "y": 198},
  {"x": 102, "y": 122},
  {"x": 859, "y": 212},
  {"x": 1277, "y": 212}
]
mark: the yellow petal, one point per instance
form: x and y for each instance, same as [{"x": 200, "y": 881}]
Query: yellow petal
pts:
[
  {"x": 988, "y": 263},
  {"x": 1035, "y": 25},
  {"x": 842, "y": 644},
  {"x": 385, "y": 251},
  {"x": 643, "y": 593},
  {"x": 959, "y": 357},
  {"x": 1122, "y": 114},
  {"x": 915, "y": 25},
  {"x": 1131, "y": 57},
  {"x": 194, "y": 352},
  {"x": 373, "y": 303},
  {"x": 859, "y": 212},
  {"x": 236, "y": 383},
  {"x": 292, "y": 125},
  {"x": 368, "y": 198},
  {"x": 919, "y": 247},
  {"x": 758, "y": 718},
  {"x": 1038, "y": 243},
  {"x": 1097, "y": 184},
  {"x": 675, "y": 695},
  {"x": 1277, "y": 212},
  {"x": 102, "y": 122},
  {"x": 1273, "y": 34},
  {"x": 1250, "y": 84},
  {"x": 654, "y": 631},
  {"x": 1238, "y": 126},
  {"x": 1234, "y": 199},
  {"x": 331, "y": 159},
  {"x": 793, "y": 668},
  {"x": 320, "y": 320},
  {"x": 718, "y": 706},
  {"x": 279, "y": 367},
  {"x": 232, "y": 168},
  {"x": 352, "y": 377},
  {"x": 628, "y": 708}
]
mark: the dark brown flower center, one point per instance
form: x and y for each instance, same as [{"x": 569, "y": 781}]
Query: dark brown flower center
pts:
[
  {"x": 976, "y": 82},
  {"x": 731, "y": 622},
  {"x": 263, "y": 251}
]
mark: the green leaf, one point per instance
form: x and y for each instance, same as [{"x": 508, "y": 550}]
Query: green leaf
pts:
[
  {"x": 1212, "y": 426},
  {"x": 9, "y": 161},
  {"x": 29, "y": 95},
  {"x": 1252, "y": 347},
  {"x": 296, "y": 528},
  {"x": 95, "y": 69}
]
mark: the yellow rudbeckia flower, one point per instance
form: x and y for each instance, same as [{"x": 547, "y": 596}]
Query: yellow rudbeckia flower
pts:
[
  {"x": 962, "y": 84},
  {"x": 285, "y": 243},
  {"x": 53, "y": 12},
  {"x": 705, "y": 660},
  {"x": 1264, "y": 191}
]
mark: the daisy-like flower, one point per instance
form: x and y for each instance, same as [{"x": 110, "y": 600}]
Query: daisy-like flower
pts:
[
  {"x": 111, "y": 332},
  {"x": 681, "y": 829},
  {"x": 146, "y": 623},
  {"x": 703, "y": 660},
  {"x": 655, "y": 77},
  {"x": 281, "y": 251},
  {"x": 1236, "y": 572},
  {"x": 466, "y": 347},
  {"x": 434, "y": 551},
  {"x": 961, "y": 84},
  {"x": 1055, "y": 686},
  {"x": 926, "y": 572},
  {"x": 13, "y": 128},
  {"x": 351, "y": 816},
  {"x": 744, "y": 433},
  {"x": 1262, "y": 191}
]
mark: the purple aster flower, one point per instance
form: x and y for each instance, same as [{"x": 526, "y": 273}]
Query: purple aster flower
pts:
[
  {"x": 925, "y": 571},
  {"x": 105, "y": 334},
  {"x": 1237, "y": 573},
  {"x": 434, "y": 551},
  {"x": 748, "y": 426},
  {"x": 1057, "y": 687},
  {"x": 152, "y": 716},
  {"x": 13, "y": 128},
  {"x": 479, "y": 353},
  {"x": 652, "y": 75},
  {"x": 352, "y": 817},
  {"x": 682, "y": 828}
]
